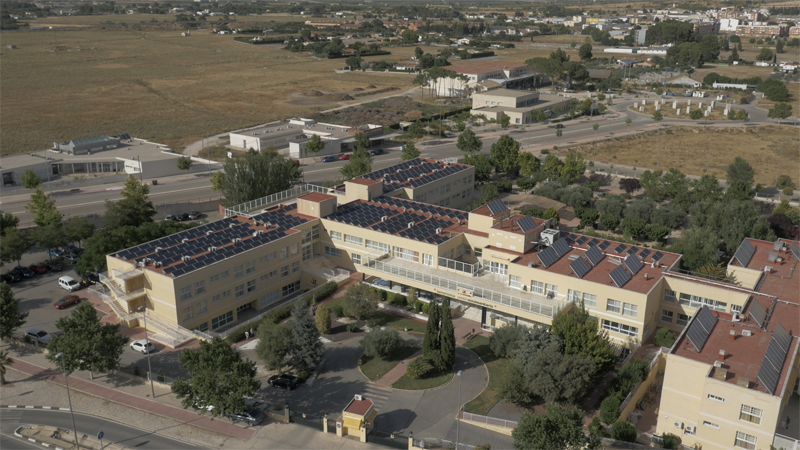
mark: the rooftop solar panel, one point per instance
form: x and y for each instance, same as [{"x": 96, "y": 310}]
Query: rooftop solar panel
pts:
[
  {"x": 782, "y": 337},
  {"x": 497, "y": 207},
  {"x": 570, "y": 238},
  {"x": 632, "y": 250},
  {"x": 633, "y": 264},
  {"x": 594, "y": 255},
  {"x": 795, "y": 250},
  {"x": 697, "y": 335},
  {"x": 603, "y": 245},
  {"x": 768, "y": 376},
  {"x": 757, "y": 312},
  {"x": 561, "y": 247},
  {"x": 744, "y": 253},
  {"x": 581, "y": 240},
  {"x": 548, "y": 257},
  {"x": 775, "y": 355},
  {"x": 526, "y": 224},
  {"x": 580, "y": 267},
  {"x": 706, "y": 319},
  {"x": 619, "y": 276},
  {"x": 656, "y": 256},
  {"x": 592, "y": 242},
  {"x": 644, "y": 253},
  {"x": 619, "y": 248}
]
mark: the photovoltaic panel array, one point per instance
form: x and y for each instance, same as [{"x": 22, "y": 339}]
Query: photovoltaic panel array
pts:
[
  {"x": 548, "y": 257},
  {"x": 594, "y": 255},
  {"x": 782, "y": 337},
  {"x": 592, "y": 243},
  {"x": 770, "y": 371},
  {"x": 697, "y": 335},
  {"x": 619, "y": 276},
  {"x": 644, "y": 254},
  {"x": 580, "y": 267},
  {"x": 632, "y": 251},
  {"x": 795, "y": 250},
  {"x": 526, "y": 224},
  {"x": 757, "y": 312},
  {"x": 497, "y": 207},
  {"x": 656, "y": 256},
  {"x": 707, "y": 319},
  {"x": 561, "y": 247},
  {"x": 434, "y": 210},
  {"x": 619, "y": 249},
  {"x": 581, "y": 240},
  {"x": 604, "y": 245},
  {"x": 633, "y": 264},
  {"x": 768, "y": 376},
  {"x": 744, "y": 253},
  {"x": 775, "y": 355},
  {"x": 570, "y": 238}
]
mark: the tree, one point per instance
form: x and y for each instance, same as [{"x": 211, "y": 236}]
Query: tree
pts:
[
  {"x": 775, "y": 90},
  {"x": 78, "y": 229},
  {"x": 256, "y": 175},
  {"x": 657, "y": 116},
  {"x": 360, "y": 162},
  {"x": 629, "y": 185},
  {"x": 699, "y": 246},
  {"x": 409, "y": 152},
  {"x": 134, "y": 209},
  {"x": 574, "y": 166},
  {"x": 610, "y": 222},
  {"x": 552, "y": 214},
  {"x": 740, "y": 169},
  {"x": 418, "y": 52},
  {"x": 489, "y": 192},
  {"x": 581, "y": 335},
  {"x": 469, "y": 143},
  {"x": 696, "y": 114},
  {"x": 734, "y": 56},
  {"x": 447, "y": 337},
  {"x": 43, "y": 209},
  {"x": 779, "y": 46},
  {"x": 7, "y": 221},
  {"x": 505, "y": 121},
  {"x": 589, "y": 217},
  {"x": 306, "y": 347},
  {"x": 633, "y": 227},
  {"x": 671, "y": 441},
  {"x": 781, "y": 111},
  {"x": 513, "y": 387},
  {"x": 765, "y": 55},
  {"x": 14, "y": 246},
  {"x": 506, "y": 340},
  {"x": 641, "y": 208},
  {"x": 49, "y": 236},
  {"x": 322, "y": 318},
  {"x": 5, "y": 362},
  {"x": 609, "y": 409},
  {"x": 30, "y": 180},
  {"x": 504, "y": 154},
  {"x": 431, "y": 342},
  {"x": 381, "y": 343},
  {"x": 664, "y": 337},
  {"x": 274, "y": 343},
  {"x": 86, "y": 344},
  {"x": 560, "y": 427},
  {"x": 483, "y": 167},
  {"x": 360, "y": 302},
  {"x": 623, "y": 431},
  {"x": 218, "y": 377},
  {"x": 710, "y": 46},
  {"x": 185, "y": 163},
  {"x": 217, "y": 181},
  {"x": 528, "y": 164},
  {"x": 10, "y": 317},
  {"x": 315, "y": 145},
  {"x": 585, "y": 51},
  {"x": 612, "y": 204},
  {"x": 784, "y": 181},
  {"x": 415, "y": 130}
]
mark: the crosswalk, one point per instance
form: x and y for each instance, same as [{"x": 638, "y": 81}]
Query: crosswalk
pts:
[{"x": 379, "y": 395}]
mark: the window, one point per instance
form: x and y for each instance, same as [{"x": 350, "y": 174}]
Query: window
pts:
[
  {"x": 202, "y": 307},
  {"x": 479, "y": 253},
  {"x": 203, "y": 327},
  {"x": 239, "y": 291},
  {"x": 213, "y": 279},
  {"x": 551, "y": 290},
  {"x": 459, "y": 250},
  {"x": 296, "y": 267},
  {"x": 745, "y": 441},
  {"x": 589, "y": 301},
  {"x": 620, "y": 328},
  {"x": 715, "y": 398},
  {"x": 222, "y": 320},
  {"x": 515, "y": 282},
  {"x": 186, "y": 293},
  {"x": 711, "y": 425},
  {"x": 629, "y": 310},
  {"x": 336, "y": 236},
  {"x": 284, "y": 271},
  {"x": 199, "y": 287},
  {"x": 251, "y": 285},
  {"x": 574, "y": 296},
  {"x": 448, "y": 254},
  {"x": 221, "y": 296},
  {"x": 308, "y": 252},
  {"x": 188, "y": 313},
  {"x": 293, "y": 249},
  {"x": 268, "y": 299},
  {"x": 408, "y": 255},
  {"x": 736, "y": 309},
  {"x": 427, "y": 260},
  {"x": 238, "y": 272},
  {"x": 291, "y": 288},
  {"x": 356, "y": 259},
  {"x": 271, "y": 274},
  {"x": 353, "y": 240},
  {"x": 467, "y": 250},
  {"x": 698, "y": 302},
  {"x": 250, "y": 267},
  {"x": 284, "y": 253},
  {"x": 330, "y": 251},
  {"x": 669, "y": 295},
  {"x": 750, "y": 414},
  {"x": 310, "y": 234},
  {"x": 537, "y": 287},
  {"x": 614, "y": 306},
  {"x": 666, "y": 316},
  {"x": 384, "y": 248},
  {"x": 498, "y": 268},
  {"x": 224, "y": 275},
  {"x": 682, "y": 320}
]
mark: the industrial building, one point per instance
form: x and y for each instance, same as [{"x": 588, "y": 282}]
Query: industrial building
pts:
[{"x": 517, "y": 105}]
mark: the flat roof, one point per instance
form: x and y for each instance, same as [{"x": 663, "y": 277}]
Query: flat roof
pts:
[
  {"x": 275, "y": 130},
  {"x": 412, "y": 174},
  {"x": 511, "y": 224},
  {"x": 512, "y": 93},
  {"x": 316, "y": 197},
  {"x": 363, "y": 181},
  {"x": 782, "y": 281},
  {"x": 137, "y": 149}
]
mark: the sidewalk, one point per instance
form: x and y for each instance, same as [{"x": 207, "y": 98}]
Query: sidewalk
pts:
[{"x": 396, "y": 372}]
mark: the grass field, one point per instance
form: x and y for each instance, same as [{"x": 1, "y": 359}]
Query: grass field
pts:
[
  {"x": 409, "y": 384},
  {"x": 496, "y": 366},
  {"x": 689, "y": 149},
  {"x": 375, "y": 368}
]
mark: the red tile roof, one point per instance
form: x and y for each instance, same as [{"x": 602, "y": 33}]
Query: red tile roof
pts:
[
  {"x": 316, "y": 197},
  {"x": 360, "y": 407}
]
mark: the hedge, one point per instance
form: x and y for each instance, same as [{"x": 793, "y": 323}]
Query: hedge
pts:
[{"x": 396, "y": 126}]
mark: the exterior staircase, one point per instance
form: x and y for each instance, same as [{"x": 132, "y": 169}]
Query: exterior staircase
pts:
[{"x": 472, "y": 313}]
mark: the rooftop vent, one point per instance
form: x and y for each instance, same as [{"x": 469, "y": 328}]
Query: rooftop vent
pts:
[
  {"x": 212, "y": 249},
  {"x": 438, "y": 231},
  {"x": 142, "y": 264},
  {"x": 183, "y": 241},
  {"x": 158, "y": 249},
  {"x": 358, "y": 397},
  {"x": 383, "y": 218},
  {"x": 158, "y": 264},
  {"x": 721, "y": 374},
  {"x": 531, "y": 264},
  {"x": 743, "y": 382},
  {"x": 186, "y": 258},
  {"x": 209, "y": 233},
  {"x": 410, "y": 224},
  {"x": 747, "y": 333}
]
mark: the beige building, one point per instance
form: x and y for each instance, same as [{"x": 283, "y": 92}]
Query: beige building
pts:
[{"x": 518, "y": 105}]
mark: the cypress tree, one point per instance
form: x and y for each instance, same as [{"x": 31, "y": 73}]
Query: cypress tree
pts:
[
  {"x": 447, "y": 337},
  {"x": 431, "y": 343},
  {"x": 306, "y": 348}
]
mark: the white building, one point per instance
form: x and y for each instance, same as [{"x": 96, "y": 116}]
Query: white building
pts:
[{"x": 480, "y": 74}]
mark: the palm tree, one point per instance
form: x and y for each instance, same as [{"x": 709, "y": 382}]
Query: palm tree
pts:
[{"x": 5, "y": 361}]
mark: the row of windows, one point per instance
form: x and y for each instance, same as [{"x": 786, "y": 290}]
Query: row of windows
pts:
[
  {"x": 694, "y": 301},
  {"x": 589, "y": 300},
  {"x": 666, "y": 317},
  {"x": 621, "y": 328},
  {"x": 626, "y": 309}
]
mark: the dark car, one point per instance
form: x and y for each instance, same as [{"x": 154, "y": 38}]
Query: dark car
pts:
[
  {"x": 11, "y": 277},
  {"x": 72, "y": 258},
  {"x": 54, "y": 266},
  {"x": 38, "y": 268},
  {"x": 89, "y": 279},
  {"x": 329, "y": 159},
  {"x": 377, "y": 151},
  {"x": 66, "y": 300},
  {"x": 251, "y": 416},
  {"x": 55, "y": 252},
  {"x": 284, "y": 381},
  {"x": 344, "y": 157},
  {"x": 194, "y": 215},
  {"x": 71, "y": 249},
  {"x": 24, "y": 272},
  {"x": 559, "y": 125},
  {"x": 182, "y": 217}
]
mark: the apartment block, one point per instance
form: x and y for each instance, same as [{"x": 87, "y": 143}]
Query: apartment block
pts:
[{"x": 771, "y": 31}]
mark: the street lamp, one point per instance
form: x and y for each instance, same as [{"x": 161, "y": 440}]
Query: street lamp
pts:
[
  {"x": 142, "y": 310},
  {"x": 458, "y": 413},
  {"x": 66, "y": 379}
]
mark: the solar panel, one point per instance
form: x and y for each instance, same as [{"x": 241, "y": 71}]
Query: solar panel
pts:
[
  {"x": 548, "y": 257},
  {"x": 795, "y": 250},
  {"x": 657, "y": 256},
  {"x": 526, "y": 224},
  {"x": 697, "y": 335},
  {"x": 782, "y": 337},
  {"x": 633, "y": 264},
  {"x": 619, "y": 276},
  {"x": 768, "y": 376},
  {"x": 570, "y": 238},
  {"x": 580, "y": 267},
  {"x": 594, "y": 255},
  {"x": 632, "y": 250},
  {"x": 706, "y": 318},
  {"x": 757, "y": 312},
  {"x": 581, "y": 240},
  {"x": 775, "y": 355},
  {"x": 644, "y": 254},
  {"x": 744, "y": 253},
  {"x": 592, "y": 242},
  {"x": 496, "y": 207},
  {"x": 561, "y": 248},
  {"x": 619, "y": 248},
  {"x": 603, "y": 245}
]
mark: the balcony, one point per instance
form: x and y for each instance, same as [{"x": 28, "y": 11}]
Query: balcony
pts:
[
  {"x": 120, "y": 275},
  {"x": 459, "y": 266},
  {"x": 465, "y": 285}
]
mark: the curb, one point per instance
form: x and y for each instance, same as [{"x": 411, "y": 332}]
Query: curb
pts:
[
  {"x": 32, "y": 407},
  {"x": 487, "y": 379},
  {"x": 17, "y": 434},
  {"x": 428, "y": 390}
]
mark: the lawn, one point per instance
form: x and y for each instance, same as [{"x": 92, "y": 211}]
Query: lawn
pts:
[
  {"x": 496, "y": 366},
  {"x": 398, "y": 323},
  {"x": 375, "y": 368},
  {"x": 409, "y": 384}
]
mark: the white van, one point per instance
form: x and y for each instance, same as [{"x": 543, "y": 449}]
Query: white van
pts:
[{"x": 69, "y": 283}]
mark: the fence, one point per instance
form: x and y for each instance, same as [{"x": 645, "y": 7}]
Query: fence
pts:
[
  {"x": 387, "y": 439},
  {"x": 487, "y": 420},
  {"x": 244, "y": 208},
  {"x": 460, "y": 266},
  {"x": 310, "y": 421}
]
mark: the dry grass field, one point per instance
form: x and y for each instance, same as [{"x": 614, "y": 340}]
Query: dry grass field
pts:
[{"x": 688, "y": 148}]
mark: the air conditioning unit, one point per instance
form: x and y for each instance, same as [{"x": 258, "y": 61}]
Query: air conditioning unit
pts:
[
  {"x": 141, "y": 264},
  {"x": 768, "y": 269},
  {"x": 677, "y": 424},
  {"x": 735, "y": 317},
  {"x": 438, "y": 231},
  {"x": 550, "y": 236},
  {"x": 383, "y": 218},
  {"x": 237, "y": 240},
  {"x": 531, "y": 264},
  {"x": 158, "y": 249},
  {"x": 718, "y": 364},
  {"x": 358, "y": 397},
  {"x": 158, "y": 264},
  {"x": 747, "y": 333},
  {"x": 689, "y": 430},
  {"x": 187, "y": 258}
]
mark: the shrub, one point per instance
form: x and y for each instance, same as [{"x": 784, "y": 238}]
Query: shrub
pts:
[
  {"x": 419, "y": 305},
  {"x": 381, "y": 343},
  {"x": 322, "y": 293},
  {"x": 322, "y": 318},
  {"x": 338, "y": 310},
  {"x": 353, "y": 328},
  {"x": 419, "y": 368},
  {"x": 504, "y": 186},
  {"x": 596, "y": 428},
  {"x": 609, "y": 409},
  {"x": 788, "y": 191},
  {"x": 671, "y": 441},
  {"x": 545, "y": 152},
  {"x": 623, "y": 431},
  {"x": 425, "y": 307},
  {"x": 238, "y": 334},
  {"x": 303, "y": 375},
  {"x": 664, "y": 338},
  {"x": 397, "y": 299},
  {"x": 526, "y": 184}
]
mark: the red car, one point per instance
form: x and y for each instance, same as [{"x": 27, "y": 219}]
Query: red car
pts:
[
  {"x": 66, "y": 301},
  {"x": 344, "y": 157},
  {"x": 38, "y": 268}
]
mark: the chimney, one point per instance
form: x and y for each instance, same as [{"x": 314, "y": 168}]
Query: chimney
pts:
[
  {"x": 743, "y": 382},
  {"x": 721, "y": 356},
  {"x": 720, "y": 373},
  {"x": 732, "y": 335},
  {"x": 646, "y": 277}
]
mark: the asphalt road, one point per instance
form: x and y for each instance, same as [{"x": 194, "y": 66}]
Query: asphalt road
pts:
[{"x": 118, "y": 433}]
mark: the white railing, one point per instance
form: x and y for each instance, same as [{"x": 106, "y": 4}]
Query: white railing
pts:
[
  {"x": 110, "y": 302},
  {"x": 477, "y": 418},
  {"x": 471, "y": 269},
  {"x": 464, "y": 289},
  {"x": 244, "y": 209},
  {"x": 785, "y": 442},
  {"x": 111, "y": 285}
]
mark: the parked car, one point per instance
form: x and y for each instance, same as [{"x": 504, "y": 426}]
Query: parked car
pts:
[
  {"x": 377, "y": 151},
  {"x": 183, "y": 217},
  {"x": 68, "y": 283},
  {"x": 251, "y": 416},
  {"x": 329, "y": 159},
  {"x": 170, "y": 217},
  {"x": 65, "y": 301},
  {"x": 72, "y": 258},
  {"x": 24, "y": 272},
  {"x": 71, "y": 249},
  {"x": 38, "y": 335},
  {"x": 143, "y": 346},
  {"x": 344, "y": 157},
  {"x": 559, "y": 125},
  {"x": 38, "y": 268},
  {"x": 90, "y": 279},
  {"x": 55, "y": 252},
  {"x": 54, "y": 266},
  {"x": 11, "y": 277},
  {"x": 194, "y": 215},
  {"x": 285, "y": 381}
]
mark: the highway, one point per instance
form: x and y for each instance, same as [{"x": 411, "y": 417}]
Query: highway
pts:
[{"x": 115, "y": 432}]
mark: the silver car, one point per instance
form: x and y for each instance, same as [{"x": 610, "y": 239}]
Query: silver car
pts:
[
  {"x": 143, "y": 346},
  {"x": 38, "y": 335}
]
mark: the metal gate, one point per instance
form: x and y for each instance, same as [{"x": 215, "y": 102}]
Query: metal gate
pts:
[
  {"x": 393, "y": 440},
  {"x": 307, "y": 420}
]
